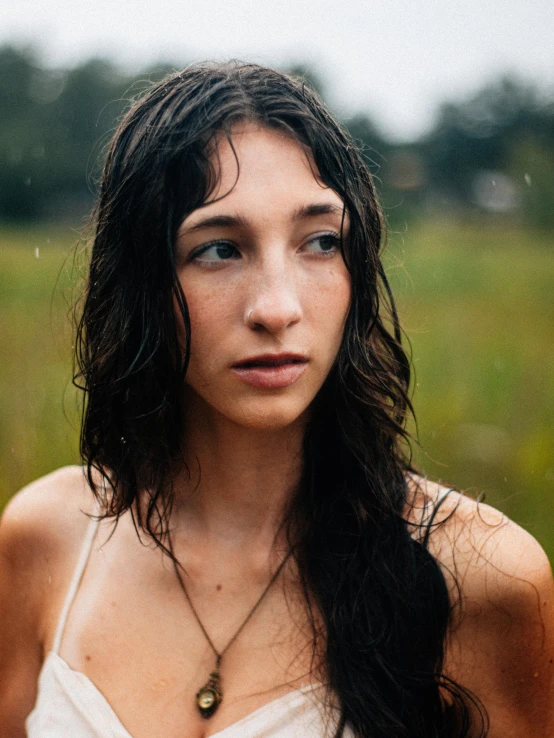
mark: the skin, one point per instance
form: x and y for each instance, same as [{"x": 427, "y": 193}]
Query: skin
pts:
[{"x": 275, "y": 291}]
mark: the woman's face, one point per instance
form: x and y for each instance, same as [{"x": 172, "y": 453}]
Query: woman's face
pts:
[{"x": 265, "y": 282}]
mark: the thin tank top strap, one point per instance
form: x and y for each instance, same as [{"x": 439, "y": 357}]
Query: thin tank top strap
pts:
[{"x": 84, "y": 554}]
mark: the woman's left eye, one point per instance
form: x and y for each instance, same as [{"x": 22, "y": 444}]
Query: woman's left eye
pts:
[{"x": 324, "y": 243}]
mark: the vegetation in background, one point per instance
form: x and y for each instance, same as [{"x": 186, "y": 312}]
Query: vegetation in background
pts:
[
  {"x": 492, "y": 154},
  {"x": 477, "y": 305},
  {"x": 39, "y": 420}
]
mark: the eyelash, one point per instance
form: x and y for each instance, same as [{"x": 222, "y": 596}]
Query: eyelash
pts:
[
  {"x": 332, "y": 236},
  {"x": 196, "y": 255}
]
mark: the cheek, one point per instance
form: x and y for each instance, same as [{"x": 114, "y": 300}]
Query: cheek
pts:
[
  {"x": 210, "y": 312},
  {"x": 330, "y": 303}
]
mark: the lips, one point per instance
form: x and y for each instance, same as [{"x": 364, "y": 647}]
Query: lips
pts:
[
  {"x": 271, "y": 371},
  {"x": 271, "y": 360}
]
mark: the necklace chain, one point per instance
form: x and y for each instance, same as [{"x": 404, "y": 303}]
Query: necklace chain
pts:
[{"x": 219, "y": 654}]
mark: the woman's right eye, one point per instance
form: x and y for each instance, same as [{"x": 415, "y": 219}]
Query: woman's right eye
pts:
[{"x": 215, "y": 253}]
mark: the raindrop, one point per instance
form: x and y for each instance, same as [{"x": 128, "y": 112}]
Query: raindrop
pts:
[
  {"x": 37, "y": 252},
  {"x": 527, "y": 178},
  {"x": 495, "y": 192},
  {"x": 28, "y": 182}
]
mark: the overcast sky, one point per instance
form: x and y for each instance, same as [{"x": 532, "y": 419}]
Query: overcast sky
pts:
[{"x": 393, "y": 59}]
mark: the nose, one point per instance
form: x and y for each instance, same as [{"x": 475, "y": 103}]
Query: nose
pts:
[{"x": 273, "y": 303}]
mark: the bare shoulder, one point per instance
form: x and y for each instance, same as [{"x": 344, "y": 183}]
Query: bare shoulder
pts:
[
  {"x": 47, "y": 511},
  {"x": 40, "y": 531},
  {"x": 502, "y": 642},
  {"x": 484, "y": 550}
]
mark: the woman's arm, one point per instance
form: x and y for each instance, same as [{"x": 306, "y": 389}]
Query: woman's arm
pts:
[
  {"x": 502, "y": 646},
  {"x": 39, "y": 536},
  {"x": 20, "y": 590}
]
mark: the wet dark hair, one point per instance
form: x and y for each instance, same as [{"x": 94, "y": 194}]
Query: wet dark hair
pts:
[{"x": 365, "y": 570}]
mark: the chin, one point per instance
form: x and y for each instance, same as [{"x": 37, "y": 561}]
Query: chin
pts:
[
  {"x": 260, "y": 413},
  {"x": 268, "y": 416},
  {"x": 268, "y": 424}
]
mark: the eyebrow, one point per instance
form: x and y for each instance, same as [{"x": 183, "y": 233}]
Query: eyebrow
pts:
[
  {"x": 311, "y": 211},
  {"x": 229, "y": 221},
  {"x": 217, "y": 221}
]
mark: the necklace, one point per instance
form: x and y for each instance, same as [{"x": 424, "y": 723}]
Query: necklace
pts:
[{"x": 208, "y": 697}]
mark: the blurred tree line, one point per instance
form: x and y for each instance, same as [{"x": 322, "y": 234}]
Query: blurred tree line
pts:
[{"x": 491, "y": 155}]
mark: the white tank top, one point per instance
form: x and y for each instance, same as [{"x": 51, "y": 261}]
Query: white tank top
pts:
[{"x": 69, "y": 705}]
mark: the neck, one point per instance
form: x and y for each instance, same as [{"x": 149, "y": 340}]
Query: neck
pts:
[{"x": 239, "y": 482}]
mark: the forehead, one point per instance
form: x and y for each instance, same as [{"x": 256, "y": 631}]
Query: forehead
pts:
[{"x": 259, "y": 168}]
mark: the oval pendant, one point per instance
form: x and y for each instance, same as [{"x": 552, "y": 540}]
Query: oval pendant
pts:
[{"x": 209, "y": 697}]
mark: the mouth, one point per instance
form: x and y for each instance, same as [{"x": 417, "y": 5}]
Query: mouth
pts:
[
  {"x": 270, "y": 360},
  {"x": 271, "y": 371}
]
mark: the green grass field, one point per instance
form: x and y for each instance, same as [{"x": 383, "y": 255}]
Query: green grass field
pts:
[
  {"x": 477, "y": 303},
  {"x": 38, "y": 427}
]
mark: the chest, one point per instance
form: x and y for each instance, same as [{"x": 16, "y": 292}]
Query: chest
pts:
[{"x": 132, "y": 633}]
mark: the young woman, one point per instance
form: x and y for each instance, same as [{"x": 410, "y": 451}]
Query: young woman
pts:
[{"x": 277, "y": 568}]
